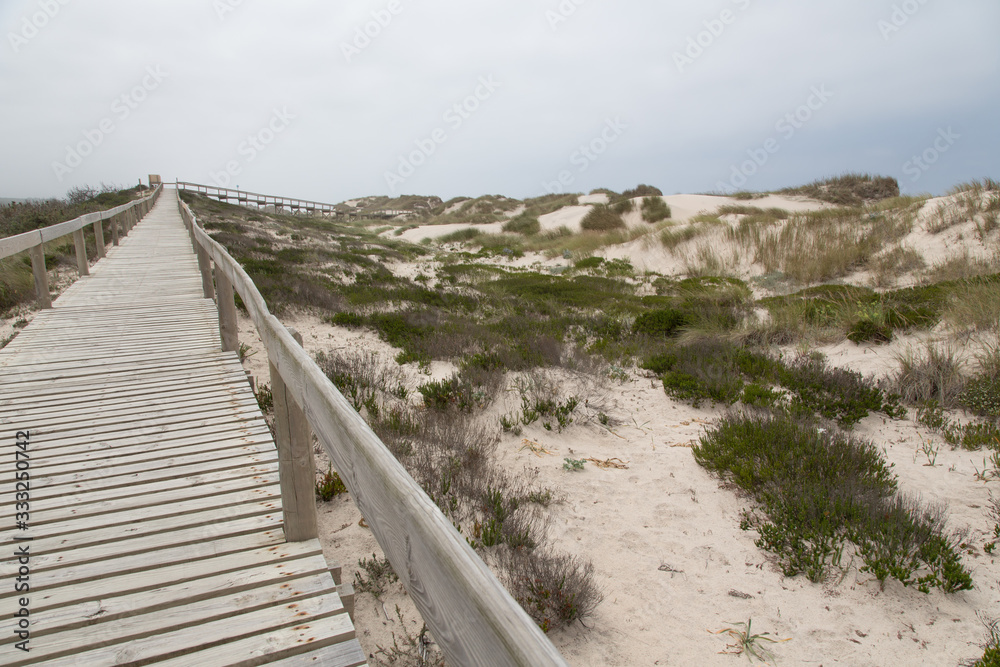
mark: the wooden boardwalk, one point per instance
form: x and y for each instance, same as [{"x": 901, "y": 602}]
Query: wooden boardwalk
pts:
[{"x": 155, "y": 527}]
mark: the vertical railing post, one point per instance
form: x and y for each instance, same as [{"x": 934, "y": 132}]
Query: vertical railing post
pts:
[
  {"x": 81, "y": 253},
  {"x": 115, "y": 221},
  {"x": 99, "y": 239},
  {"x": 227, "y": 311},
  {"x": 296, "y": 469},
  {"x": 205, "y": 265},
  {"x": 41, "y": 276}
]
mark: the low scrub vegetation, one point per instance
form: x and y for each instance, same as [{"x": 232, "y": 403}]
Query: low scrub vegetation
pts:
[
  {"x": 849, "y": 189},
  {"x": 654, "y": 209},
  {"x": 818, "y": 491},
  {"x": 601, "y": 218},
  {"x": 722, "y": 372}
]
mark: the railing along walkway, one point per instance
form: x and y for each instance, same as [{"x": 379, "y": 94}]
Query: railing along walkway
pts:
[{"x": 153, "y": 525}]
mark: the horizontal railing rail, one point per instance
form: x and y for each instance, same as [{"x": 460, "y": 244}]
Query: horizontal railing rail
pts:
[
  {"x": 121, "y": 220},
  {"x": 473, "y": 618},
  {"x": 262, "y": 201}
]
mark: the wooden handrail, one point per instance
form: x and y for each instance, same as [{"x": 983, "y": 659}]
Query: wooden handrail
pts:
[
  {"x": 34, "y": 241},
  {"x": 258, "y": 199},
  {"x": 473, "y": 618}
]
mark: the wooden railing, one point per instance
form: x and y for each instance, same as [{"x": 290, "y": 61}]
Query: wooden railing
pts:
[
  {"x": 121, "y": 220},
  {"x": 261, "y": 201},
  {"x": 471, "y": 615}
]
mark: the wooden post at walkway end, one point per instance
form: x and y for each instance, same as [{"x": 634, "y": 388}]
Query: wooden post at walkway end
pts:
[
  {"x": 41, "y": 276},
  {"x": 227, "y": 312},
  {"x": 296, "y": 469},
  {"x": 81, "y": 253}
]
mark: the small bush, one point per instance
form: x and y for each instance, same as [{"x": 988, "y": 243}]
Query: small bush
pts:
[
  {"x": 624, "y": 206},
  {"x": 981, "y": 396},
  {"x": 589, "y": 263},
  {"x": 330, "y": 486},
  {"x": 352, "y": 320},
  {"x": 642, "y": 191},
  {"x": 374, "y": 576},
  {"x": 657, "y": 323},
  {"x": 602, "y": 219},
  {"x": 554, "y": 590},
  {"x": 523, "y": 225},
  {"x": 654, "y": 209}
]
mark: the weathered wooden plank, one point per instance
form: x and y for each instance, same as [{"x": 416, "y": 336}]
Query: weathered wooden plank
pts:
[
  {"x": 52, "y": 510},
  {"x": 59, "y": 555},
  {"x": 71, "y": 456},
  {"x": 327, "y": 634},
  {"x": 340, "y": 655},
  {"x": 257, "y": 500},
  {"x": 315, "y": 622},
  {"x": 293, "y": 558},
  {"x": 131, "y": 595},
  {"x": 133, "y": 398},
  {"x": 53, "y": 582},
  {"x": 111, "y": 623},
  {"x": 13, "y": 245}
]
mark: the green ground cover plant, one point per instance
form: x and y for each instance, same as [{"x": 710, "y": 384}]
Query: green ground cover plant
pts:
[
  {"x": 817, "y": 490},
  {"x": 723, "y": 372}
]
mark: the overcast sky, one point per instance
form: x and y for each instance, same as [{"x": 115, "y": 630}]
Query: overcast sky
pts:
[{"x": 334, "y": 101}]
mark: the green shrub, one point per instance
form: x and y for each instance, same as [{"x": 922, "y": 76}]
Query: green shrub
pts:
[
  {"x": 642, "y": 191},
  {"x": 981, "y": 396},
  {"x": 624, "y": 206},
  {"x": 330, "y": 486},
  {"x": 817, "y": 490},
  {"x": 666, "y": 322},
  {"x": 718, "y": 370},
  {"x": 589, "y": 263},
  {"x": 523, "y": 225},
  {"x": 352, "y": 320},
  {"x": 654, "y": 209},
  {"x": 602, "y": 219}
]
